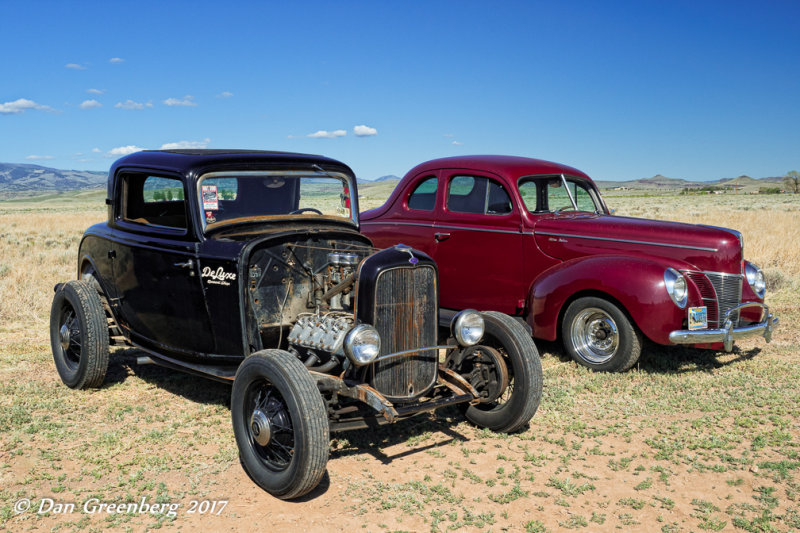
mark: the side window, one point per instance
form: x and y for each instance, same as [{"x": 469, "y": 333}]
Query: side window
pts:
[
  {"x": 558, "y": 198},
  {"x": 529, "y": 191},
  {"x": 583, "y": 199},
  {"x": 479, "y": 195},
  {"x": 154, "y": 200},
  {"x": 497, "y": 200},
  {"x": 424, "y": 195}
]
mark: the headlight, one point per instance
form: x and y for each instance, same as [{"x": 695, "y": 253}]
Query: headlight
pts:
[
  {"x": 755, "y": 277},
  {"x": 362, "y": 344},
  {"x": 676, "y": 287},
  {"x": 467, "y": 326}
]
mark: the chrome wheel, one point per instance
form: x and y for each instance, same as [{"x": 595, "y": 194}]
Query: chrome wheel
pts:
[{"x": 594, "y": 335}]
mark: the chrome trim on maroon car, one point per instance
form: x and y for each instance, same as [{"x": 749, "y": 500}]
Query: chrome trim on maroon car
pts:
[
  {"x": 629, "y": 241},
  {"x": 439, "y": 226},
  {"x": 727, "y": 334}
]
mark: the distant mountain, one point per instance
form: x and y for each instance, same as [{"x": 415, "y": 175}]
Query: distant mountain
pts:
[
  {"x": 659, "y": 182},
  {"x": 388, "y": 177},
  {"x": 19, "y": 178}
]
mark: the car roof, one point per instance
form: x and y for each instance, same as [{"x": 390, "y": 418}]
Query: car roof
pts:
[
  {"x": 512, "y": 167},
  {"x": 192, "y": 162}
]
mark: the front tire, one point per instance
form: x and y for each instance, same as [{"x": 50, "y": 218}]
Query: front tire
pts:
[
  {"x": 521, "y": 395},
  {"x": 599, "y": 335},
  {"x": 79, "y": 335},
  {"x": 280, "y": 424}
]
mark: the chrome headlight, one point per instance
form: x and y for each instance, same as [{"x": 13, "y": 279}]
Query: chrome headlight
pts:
[
  {"x": 362, "y": 344},
  {"x": 755, "y": 277},
  {"x": 675, "y": 284},
  {"x": 467, "y": 327}
]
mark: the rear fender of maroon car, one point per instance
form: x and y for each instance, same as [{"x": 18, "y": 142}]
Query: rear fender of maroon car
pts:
[{"x": 635, "y": 284}]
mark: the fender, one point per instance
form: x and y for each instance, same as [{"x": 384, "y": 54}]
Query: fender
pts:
[{"x": 636, "y": 283}]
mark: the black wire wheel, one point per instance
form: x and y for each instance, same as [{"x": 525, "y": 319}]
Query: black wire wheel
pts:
[
  {"x": 598, "y": 335},
  {"x": 79, "y": 335},
  {"x": 280, "y": 424},
  {"x": 506, "y": 368}
]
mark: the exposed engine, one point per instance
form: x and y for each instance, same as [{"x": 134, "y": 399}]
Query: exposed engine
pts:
[{"x": 317, "y": 278}]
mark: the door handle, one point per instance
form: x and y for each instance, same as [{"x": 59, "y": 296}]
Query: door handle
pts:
[
  {"x": 441, "y": 236},
  {"x": 187, "y": 264}
]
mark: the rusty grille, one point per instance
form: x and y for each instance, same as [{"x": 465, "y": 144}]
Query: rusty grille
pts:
[
  {"x": 720, "y": 293},
  {"x": 406, "y": 316}
]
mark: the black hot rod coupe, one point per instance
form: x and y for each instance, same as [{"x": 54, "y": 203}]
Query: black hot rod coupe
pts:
[{"x": 248, "y": 266}]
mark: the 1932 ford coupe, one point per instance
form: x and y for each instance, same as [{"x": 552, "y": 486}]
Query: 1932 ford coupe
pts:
[{"x": 248, "y": 267}]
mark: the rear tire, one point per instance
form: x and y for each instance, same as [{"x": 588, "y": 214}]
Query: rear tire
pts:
[
  {"x": 520, "y": 400},
  {"x": 280, "y": 424},
  {"x": 599, "y": 335},
  {"x": 79, "y": 335}
]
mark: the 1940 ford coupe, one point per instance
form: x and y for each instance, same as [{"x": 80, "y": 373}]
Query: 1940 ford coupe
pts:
[
  {"x": 248, "y": 267},
  {"x": 535, "y": 239}
]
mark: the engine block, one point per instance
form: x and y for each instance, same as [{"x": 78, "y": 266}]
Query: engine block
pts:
[{"x": 321, "y": 332}]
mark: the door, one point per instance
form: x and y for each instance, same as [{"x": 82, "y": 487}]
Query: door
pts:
[
  {"x": 156, "y": 269},
  {"x": 478, "y": 244}
]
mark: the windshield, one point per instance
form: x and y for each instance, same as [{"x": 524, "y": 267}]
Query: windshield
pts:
[
  {"x": 547, "y": 193},
  {"x": 231, "y": 197}
]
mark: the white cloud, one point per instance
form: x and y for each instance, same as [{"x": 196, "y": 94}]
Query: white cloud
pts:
[
  {"x": 39, "y": 157},
  {"x": 20, "y": 106},
  {"x": 130, "y": 104},
  {"x": 364, "y": 131},
  {"x": 186, "y": 145},
  {"x": 456, "y": 143},
  {"x": 225, "y": 94},
  {"x": 124, "y": 150},
  {"x": 96, "y": 150},
  {"x": 187, "y": 101},
  {"x": 95, "y": 91},
  {"x": 90, "y": 104},
  {"x": 322, "y": 134},
  {"x": 116, "y": 60},
  {"x": 75, "y": 66}
]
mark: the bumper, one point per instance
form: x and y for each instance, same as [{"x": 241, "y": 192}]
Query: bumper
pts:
[{"x": 727, "y": 334}]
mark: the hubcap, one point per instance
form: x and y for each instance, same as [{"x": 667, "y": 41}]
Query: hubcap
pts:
[
  {"x": 260, "y": 427},
  {"x": 594, "y": 335},
  {"x": 63, "y": 337}
]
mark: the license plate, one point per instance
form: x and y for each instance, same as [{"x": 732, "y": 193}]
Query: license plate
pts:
[{"x": 698, "y": 317}]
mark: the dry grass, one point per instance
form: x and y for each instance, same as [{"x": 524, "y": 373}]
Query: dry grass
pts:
[{"x": 689, "y": 440}]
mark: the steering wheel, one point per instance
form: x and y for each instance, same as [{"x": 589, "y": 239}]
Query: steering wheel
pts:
[
  {"x": 304, "y": 210},
  {"x": 565, "y": 208}
]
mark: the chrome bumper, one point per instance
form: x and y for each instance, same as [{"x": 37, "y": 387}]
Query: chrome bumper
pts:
[{"x": 727, "y": 334}]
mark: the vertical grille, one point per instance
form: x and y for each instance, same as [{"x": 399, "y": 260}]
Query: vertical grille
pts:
[
  {"x": 406, "y": 317},
  {"x": 720, "y": 293},
  {"x": 729, "y": 293}
]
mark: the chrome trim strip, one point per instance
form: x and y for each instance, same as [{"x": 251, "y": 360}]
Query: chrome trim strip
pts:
[
  {"x": 628, "y": 241},
  {"x": 465, "y": 228},
  {"x": 689, "y": 271}
]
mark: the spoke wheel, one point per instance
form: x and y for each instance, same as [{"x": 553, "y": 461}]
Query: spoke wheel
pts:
[
  {"x": 508, "y": 372},
  {"x": 598, "y": 335},
  {"x": 280, "y": 424},
  {"x": 79, "y": 335},
  {"x": 270, "y": 426}
]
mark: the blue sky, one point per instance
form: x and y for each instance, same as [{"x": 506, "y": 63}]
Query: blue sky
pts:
[{"x": 698, "y": 90}]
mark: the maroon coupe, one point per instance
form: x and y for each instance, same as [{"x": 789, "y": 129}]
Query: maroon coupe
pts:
[{"x": 535, "y": 239}]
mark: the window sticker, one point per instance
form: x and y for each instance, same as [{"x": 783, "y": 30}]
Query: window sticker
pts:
[{"x": 210, "y": 200}]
